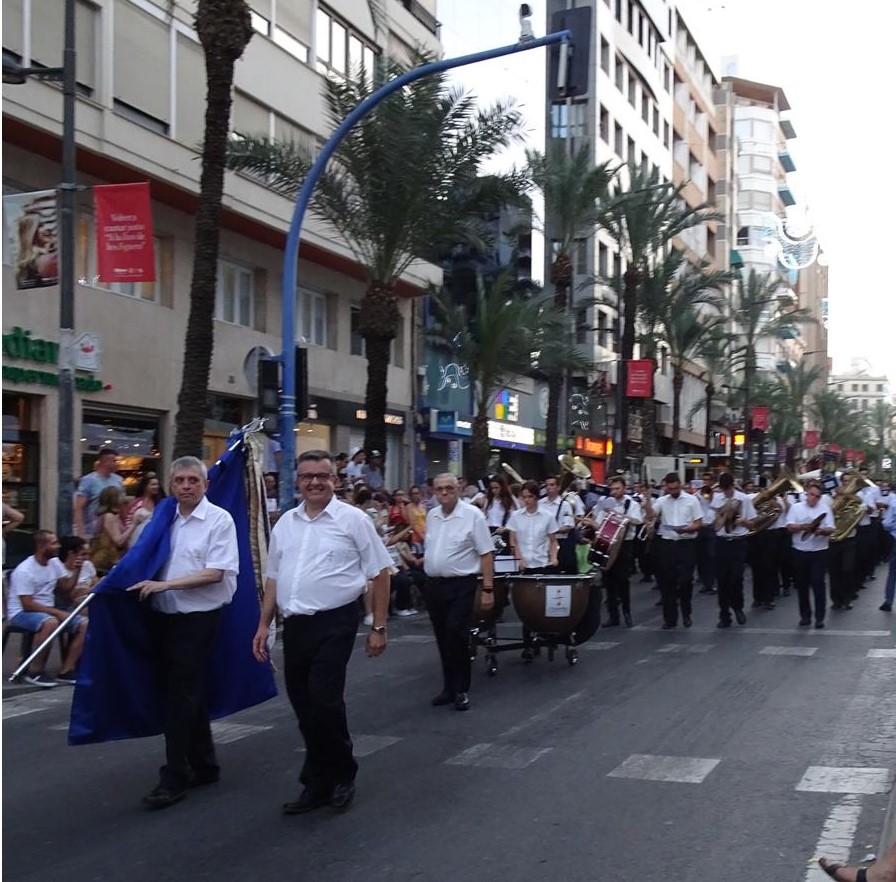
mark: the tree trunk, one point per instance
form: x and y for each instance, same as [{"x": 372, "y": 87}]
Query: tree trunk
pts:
[
  {"x": 480, "y": 446},
  {"x": 749, "y": 373},
  {"x": 631, "y": 280},
  {"x": 377, "y": 325},
  {"x": 552, "y": 421},
  {"x": 677, "y": 383},
  {"x": 710, "y": 394},
  {"x": 224, "y": 28}
]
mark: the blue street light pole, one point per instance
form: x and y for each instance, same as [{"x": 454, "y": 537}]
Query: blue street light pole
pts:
[{"x": 287, "y": 416}]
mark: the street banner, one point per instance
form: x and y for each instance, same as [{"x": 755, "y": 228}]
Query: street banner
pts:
[
  {"x": 810, "y": 439},
  {"x": 850, "y": 455},
  {"x": 860, "y": 456},
  {"x": 30, "y": 226},
  {"x": 124, "y": 246},
  {"x": 834, "y": 449},
  {"x": 639, "y": 383},
  {"x": 760, "y": 418}
]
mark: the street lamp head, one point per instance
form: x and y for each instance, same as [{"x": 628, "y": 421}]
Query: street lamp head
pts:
[
  {"x": 526, "y": 32},
  {"x": 13, "y": 74}
]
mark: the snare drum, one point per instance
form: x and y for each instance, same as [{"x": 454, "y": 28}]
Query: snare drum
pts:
[{"x": 608, "y": 539}]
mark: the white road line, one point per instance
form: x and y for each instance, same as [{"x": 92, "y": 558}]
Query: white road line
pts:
[
  {"x": 675, "y": 769},
  {"x": 837, "y": 836},
  {"x": 803, "y": 651},
  {"x": 497, "y": 756},
  {"x": 544, "y": 715},
  {"x": 227, "y": 733},
  {"x": 845, "y": 779},
  {"x": 413, "y": 638},
  {"x": 827, "y": 632},
  {"x": 881, "y": 653},
  {"x": 694, "y": 648},
  {"x": 365, "y": 745},
  {"x": 33, "y": 702},
  {"x": 596, "y": 645}
]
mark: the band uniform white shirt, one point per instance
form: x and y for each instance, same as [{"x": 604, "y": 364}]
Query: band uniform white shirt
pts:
[
  {"x": 532, "y": 530},
  {"x": 803, "y": 513},
  {"x": 323, "y": 562},
  {"x": 563, "y": 509},
  {"x": 204, "y": 539},
  {"x": 455, "y": 542},
  {"x": 681, "y": 512},
  {"x": 628, "y": 507},
  {"x": 747, "y": 511},
  {"x": 870, "y": 496}
]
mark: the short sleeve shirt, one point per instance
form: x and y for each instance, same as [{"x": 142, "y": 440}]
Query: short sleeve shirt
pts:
[
  {"x": 33, "y": 579},
  {"x": 455, "y": 542},
  {"x": 90, "y": 487}
]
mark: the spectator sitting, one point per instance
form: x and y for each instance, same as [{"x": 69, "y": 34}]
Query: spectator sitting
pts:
[
  {"x": 373, "y": 474},
  {"x": 75, "y": 556},
  {"x": 397, "y": 509},
  {"x": 407, "y": 575},
  {"x": 31, "y": 607}
]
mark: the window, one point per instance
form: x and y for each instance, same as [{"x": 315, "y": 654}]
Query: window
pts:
[
  {"x": 142, "y": 43},
  {"x": 235, "y": 294},
  {"x": 656, "y": 121},
  {"x": 864, "y": 387},
  {"x": 619, "y": 10},
  {"x": 582, "y": 323},
  {"x": 603, "y": 338},
  {"x": 631, "y": 150},
  {"x": 581, "y": 255},
  {"x": 632, "y": 92},
  {"x": 620, "y": 73},
  {"x": 357, "y": 346},
  {"x": 645, "y": 108},
  {"x": 340, "y": 50},
  {"x": 47, "y": 38},
  {"x": 602, "y": 254},
  {"x": 667, "y": 135},
  {"x": 312, "y": 317},
  {"x": 604, "y": 56},
  {"x": 618, "y": 139},
  {"x": 604, "y": 125},
  {"x": 743, "y": 236},
  {"x": 292, "y": 31},
  {"x": 569, "y": 124}
]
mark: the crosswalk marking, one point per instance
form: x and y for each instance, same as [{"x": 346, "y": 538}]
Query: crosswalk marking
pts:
[
  {"x": 365, "y": 745},
  {"x": 675, "y": 769},
  {"x": 845, "y": 779},
  {"x": 837, "y": 836},
  {"x": 686, "y": 647},
  {"x": 881, "y": 653},
  {"x": 804, "y": 651},
  {"x": 597, "y": 645},
  {"x": 498, "y": 756}
]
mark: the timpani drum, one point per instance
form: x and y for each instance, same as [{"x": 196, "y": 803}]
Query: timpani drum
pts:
[{"x": 550, "y": 604}]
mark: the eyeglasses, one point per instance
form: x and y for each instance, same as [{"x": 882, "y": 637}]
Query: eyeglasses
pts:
[
  {"x": 446, "y": 489},
  {"x": 308, "y": 477}
]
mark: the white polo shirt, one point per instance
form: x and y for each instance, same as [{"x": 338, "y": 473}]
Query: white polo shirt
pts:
[
  {"x": 33, "y": 579},
  {"x": 563, "y": 509},
  {"x": 455, "y": 542},
  {"x": 681, "y": 512},
  {"x": 323, "y": 562},
  {"x": 803, "y": 513},
  {"x": 747, "y": 511},
  {"x": 204, "y": 539},
  {"x": 628, "y": 507},
  {"x": 870, "y": 496},
  {"x": 533, "y": 531}
]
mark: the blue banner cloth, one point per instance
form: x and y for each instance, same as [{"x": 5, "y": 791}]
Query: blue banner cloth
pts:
[{"x": 119, "y": 693}]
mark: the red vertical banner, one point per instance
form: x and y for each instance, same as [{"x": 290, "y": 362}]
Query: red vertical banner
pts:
[
  {"x": 860, "y": 456},
  {"x": 810, "y": 439},
  {"x": 760, "y": 418},
  {"x": 849, "y": 455},
  {"x": 639, "y": 378},
  {"x": 124, "y": 246}
]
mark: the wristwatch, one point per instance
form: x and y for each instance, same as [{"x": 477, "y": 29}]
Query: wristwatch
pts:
[
  {"x": 487, "y": 589},
  {"x": 377, "y": 629}
]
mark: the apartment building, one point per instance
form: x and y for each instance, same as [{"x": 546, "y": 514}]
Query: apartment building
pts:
[
  {"x": 861, "y": 387},
  {"x": 139, "y": 115}
]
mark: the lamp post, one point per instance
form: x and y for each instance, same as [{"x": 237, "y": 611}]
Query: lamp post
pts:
[{"x": 14, "y": 74}]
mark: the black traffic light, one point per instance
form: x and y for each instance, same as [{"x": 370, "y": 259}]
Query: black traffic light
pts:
[
  {"x": 568, "y": 68},
  {"x": 269, "y": 387}
]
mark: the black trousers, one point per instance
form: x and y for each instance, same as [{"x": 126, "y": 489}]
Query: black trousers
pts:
[
  {"x": 809, "y": 568},
  {"x": 706, "y": 557},
  {"x": 762, "y": 550},
  {"x": 185, "y": 642},
  {"x": 731, "y": 558},
  {"x": 866, "y": 552},
  {"x": 783, "y": 557},
  {"x": 615, "y": 581},
  {"x": 675, "y": 562},
  {"x": 449, "y": 602},
  {"x": 644, "y": 556},
  {"x": 316, "y": 650},
  {"x": 841, "y": 571}
]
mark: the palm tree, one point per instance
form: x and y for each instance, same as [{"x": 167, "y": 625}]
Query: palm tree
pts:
[
  {"x": 572, "y": 188},
  {"x": 685, "y": 313},
  {"x": 501, "y": 337},
  {"x": 643, "y": 216},
  {"x": 787, "y": 397},
  {"x": 755, "y": 321},
  {"x": 403, "y": 181},
  {"x": 880, "y": 426},
  {"x": 715, "y": 354},
  {"x": 224, "y": 28},
  {"x": 837, "y": 422}
]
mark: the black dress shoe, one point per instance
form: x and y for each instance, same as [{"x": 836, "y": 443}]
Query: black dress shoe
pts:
[
  {"x": 667, "y": 626},
  {"x": 724, "y": 623},
  {"x": 804, "y": 623},
  {"x": 886, "y": 607},
  {"x": 627, "y": 618},
  {"x": 461, "y": 701},
  {"x": 526, "y": 655},
  {"x": 443, "y": 698},
  {"x": 204, "y": 776},
  {"x": 740, "y": 616},
  {"x": 162, "y": 798},
  {"x": 686, "y": 621},
  {"x": 308, "y": 801},
  {"x": 343, "y": 796},
  {"x": 819, "y": 625}
]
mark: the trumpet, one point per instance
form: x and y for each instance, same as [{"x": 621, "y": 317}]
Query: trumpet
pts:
[{"x": 707, "y": 492}]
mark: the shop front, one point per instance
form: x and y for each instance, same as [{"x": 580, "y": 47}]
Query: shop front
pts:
[
  {"x": 133, "y": 433},
  {"x": 596, "y": 452}
]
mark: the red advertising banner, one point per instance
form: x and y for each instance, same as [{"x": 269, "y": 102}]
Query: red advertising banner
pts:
[
  {"x": 860, "y": 456},
  {"x": 810, "y": 439},
  {"x": 124, "y": 246},
  {"x": 639, "y": 382},
  {"x": 834, "y": 448},
  {"x": 849, "y": 454},
  {"x": 760, "y": 418}
]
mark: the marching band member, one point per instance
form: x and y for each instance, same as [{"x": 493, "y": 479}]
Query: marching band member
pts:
[
  {"x": 643, "y": 549},
  {"x": 680, "y": 518},
  {"x": 810, "y": 524},
  {"x": 732, "y": 516},
  {"x": 533, "y": 533},
  {"x": 706, "y": 538},
  {"x": 563, "y": 508},
  {"x": 616, "y": 578}
]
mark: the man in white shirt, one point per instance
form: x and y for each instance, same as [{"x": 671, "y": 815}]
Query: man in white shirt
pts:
[
  {"x": 354, "y": 471},
  {"x": 31, "y": 606},
  {"x": 321, "y": 556},
  {"x": 615, "y": 579},
  {"x": 458, "y": 548},
  {"x": 732, "y": 515},
  {"x": 198, "y": 579},
  {"x": 563, "y": 508},
  {"x": 678, "y": 518},
  {"x": 868, "y": 542},
  {"x": 810, "y": 523},
  {"x": 706, "y": 538}
]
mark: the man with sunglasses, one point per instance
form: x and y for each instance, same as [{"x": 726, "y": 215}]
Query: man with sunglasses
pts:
[{"x": 322, "y": 554}]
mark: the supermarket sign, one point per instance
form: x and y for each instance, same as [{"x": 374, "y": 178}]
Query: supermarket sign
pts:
[{"x": 19, "y": 345}]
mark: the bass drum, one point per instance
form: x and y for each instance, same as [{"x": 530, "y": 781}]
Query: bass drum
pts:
[
  {"x": 548, "y": 604},
  {"x": 485, "y": 620}
]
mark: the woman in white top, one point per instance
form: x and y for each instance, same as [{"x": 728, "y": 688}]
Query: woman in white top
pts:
[
  {"x": 533, "y": 533},
  {"x": 498, "y": 504}
]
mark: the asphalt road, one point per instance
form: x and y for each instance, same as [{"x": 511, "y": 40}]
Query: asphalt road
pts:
[{"x": 685, "y": 755}]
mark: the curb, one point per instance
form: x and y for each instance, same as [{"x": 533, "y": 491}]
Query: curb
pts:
[{"x": 888, "y": 834}]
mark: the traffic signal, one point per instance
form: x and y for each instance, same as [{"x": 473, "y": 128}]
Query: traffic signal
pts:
[
  {"x": 269, "y": 387},
  {"x": 739, "y": 439},
  {"x": 568, "y": 68}
]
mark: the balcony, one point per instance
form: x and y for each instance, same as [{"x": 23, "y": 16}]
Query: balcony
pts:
[
  {"x": 786, "y": 161},
  {"x": 423, "y": 15},
  {"x": 785, "y": 195},
  {"x": 787, "y": 129}
]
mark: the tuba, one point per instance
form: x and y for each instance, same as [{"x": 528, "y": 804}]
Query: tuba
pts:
[
  {"x": 571, "y": 468},
  {"x": 848, "y": 508},
  {"x": 726, "y": 515},
  {"x": 767, "y": 510}
]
